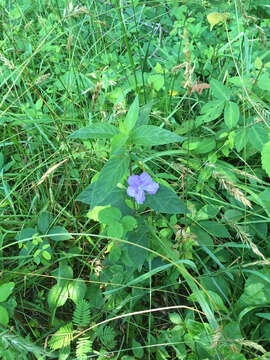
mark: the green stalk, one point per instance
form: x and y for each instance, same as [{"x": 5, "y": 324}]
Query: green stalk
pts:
[{"x": 120, "y": 16}]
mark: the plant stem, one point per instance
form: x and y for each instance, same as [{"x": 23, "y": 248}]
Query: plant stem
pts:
[{"x": 123, "y": 28}]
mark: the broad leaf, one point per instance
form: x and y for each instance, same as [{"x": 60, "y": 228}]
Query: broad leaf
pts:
[
  {"x": 6, "y": 290},
  {"x": 203, "y": 238},
  {"x": 241, "y": 139},
  {"x": 63, "y": 273},
  {"x": 153, "y": 135},
  {"x": 165, "y": 201},
  {"x": 138, "y": 254},
  {"x": 257, "y": 289},
  {"x": 115, "y": 198},
  {"x": 215, "y": 18},
  {"x": 137, "y": 349},
  {"x": 157, "y": 81},
  {"x": 144, "y": 113},
  {"x": 199, "y": 145},
  {"x": 76, "y": 290},
  {"x": 231, "y": 114},
  {"x": 95, "y": 131},
  {"x": 109, "y": 215},
  {"x": 4, "y": 318},
  {"x": 110, "y": 175},
  {"x": 258, "y": 135},
  {"x": 266, "y": 158},
  {"x": 264, "y": 81},
  {"x": 57, "y": 296},
  {"x": 210, "y": 111},
  {"x": 44, "y": 221},
  {"x": 118, "y": 144},
  {"x": 219, "y": 91},
  {"x": 115, "y": 195},
  {"x": 59, "y": 233},
  {"x": 216, "y": 229},
  {"x": 206, "y": 145},
  {"x": 132, "y": 116},
  {"x": 115, "y": 230}
]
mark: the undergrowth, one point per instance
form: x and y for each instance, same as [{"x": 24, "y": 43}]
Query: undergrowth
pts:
[{"x": 134, "y": 190}]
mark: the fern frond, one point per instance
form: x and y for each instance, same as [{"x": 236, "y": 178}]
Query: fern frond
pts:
[
  {"x": 62, "y": 337},
  {"x": 84, "y": 346},
  {"x": 107, "y": 337},
  {"x": 81, "y": 315}
]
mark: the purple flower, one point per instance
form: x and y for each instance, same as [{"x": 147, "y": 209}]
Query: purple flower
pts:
[{"x": 140, "y": 183}]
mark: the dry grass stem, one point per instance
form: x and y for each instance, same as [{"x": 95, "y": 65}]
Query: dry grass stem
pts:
[
  {"x": 232, "y": 189},
  {"x": 6, "y": 62}
]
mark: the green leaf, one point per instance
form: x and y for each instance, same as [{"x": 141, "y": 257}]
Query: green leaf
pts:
[
  {"x": 137, "y": 349},
  {"x": 217, "y": 300},
  {"x": 132, "y": 115},
  {"x": 57, "y": 296},
  {"x": 219, "y": 91},
  {"x": 26, "y": 234},
  {"x": 258, "y": 135},
  {"x": 231, "y": 114},
  {"x": 129, "y": 222},
  {"x": 6, "y": 290},
  {"x": 63, "y": 273},
  {"x": 86, "y": 196},
  {"x": 157, "y": 81},
  {"x": 138, "y": 254},
  {"x": 109, "y": 176},
  {"x": 241, "y": 139},
  {"x": 118, "y": 143},
  {"x": 175, "y": 318},
  {"x": 203, "y": 238},
  {"x": 115, "y": 229},
  {"x": 144, "y": 113},
  {"x": 210, "y": 111},
  {"x": 46, "y": 255},
  {"x": 257, "y": 289},
  {"x": 59, "y": 233},
  {"x": 266, "y": 158},
  {"x": 94, "y": 296},
  {"x": 44, "y": 221},
  {"x": 95, "y": 131},
  {"x": 109, "y": 215},
  {"x": 205, "y": 145},
  {"x": 165, "y": 201},
  {"x": 199, "y": 145},
  {"x": 115, "y": 198},
  {"x": 264, "y": 315},
  {"x": 76, "y": 290},
  {"x": 207, "y": 212},
  {"x": 153, "y": 135},
  {"x": 264, "y": 82},
  {"x": 216, "y": 229},
  {"x": 115, "y": 253},
  {"x": 4, "y": 318}
]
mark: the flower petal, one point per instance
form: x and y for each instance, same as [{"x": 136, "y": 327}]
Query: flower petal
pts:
[
  {"x": 131, "y": 191},
  {"x": 134, "y": 180},
  {"x": 152, "y": 188},
  {"x": 145, "y": 179},
  {"x": 139, "y": 196}
]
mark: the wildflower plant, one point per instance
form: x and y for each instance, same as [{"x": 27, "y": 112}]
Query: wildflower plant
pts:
[{"x": 127, "y": 141}]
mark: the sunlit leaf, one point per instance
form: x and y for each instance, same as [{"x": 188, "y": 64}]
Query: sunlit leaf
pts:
[{"x": 215, "y": 18}]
